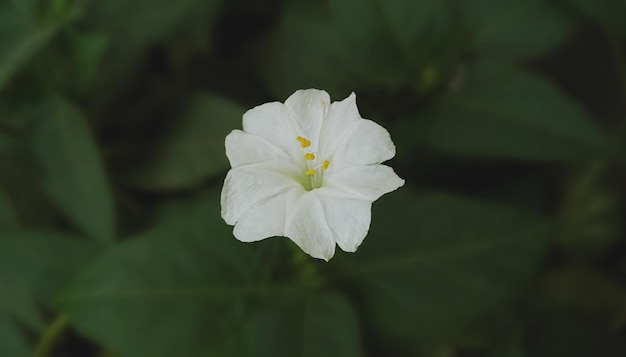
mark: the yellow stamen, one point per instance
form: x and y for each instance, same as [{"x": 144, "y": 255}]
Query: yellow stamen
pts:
[
  {"x": 309, "y": 156},
  {"x": 325, "y": 165},
  {"x": 309, "y": 172},
  {"x": 303, "y": 142}
]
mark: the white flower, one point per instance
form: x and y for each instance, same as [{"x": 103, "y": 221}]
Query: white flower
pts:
[{"x": 308, "y": 170}]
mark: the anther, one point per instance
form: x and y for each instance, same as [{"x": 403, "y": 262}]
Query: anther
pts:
[
  {"x": 303, "y": 142},
  {"x": 325, "y": 165},
  {"x": 309, "y": 156},
  {"x": 309, "y": 172}
]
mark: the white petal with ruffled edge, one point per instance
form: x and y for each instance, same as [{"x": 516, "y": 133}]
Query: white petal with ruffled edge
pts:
[
  {"x": 308, "y": 109},
  {"x": 247, "y": 185},
  {"x": 366, "y": 182},
  {"x": 339, "y": 124},
  {"x": 307, "y": 227},
  {"x": 246, "y": 149},
  {"x": 268, "y": 216},
  {"x": 367, "y": 144},
  {"x": 348, "y": 218},
  {"x": 272, "y": 123}
]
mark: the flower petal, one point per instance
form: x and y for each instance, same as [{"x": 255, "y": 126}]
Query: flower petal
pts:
[
  {"x": 245, "y": 186},
  {"x": 267, "y": 217},
  {"x": 308, "y": 108},
  {"x": 307, "y": 227},
  {"x": 245, "y": 149},
  {"x": 366, "y": 182},
  {"x": 368, "y": 143},
  {"x": 348, "y": 218},
  {"x": 339, "y": 123},
  {"x": 273, "y": 123}
]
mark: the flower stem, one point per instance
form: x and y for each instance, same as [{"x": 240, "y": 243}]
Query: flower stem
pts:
[{"x": 51, "y": 336}]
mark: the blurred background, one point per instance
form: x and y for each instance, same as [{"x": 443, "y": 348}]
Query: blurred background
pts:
[{"x": 509, "y": 118}]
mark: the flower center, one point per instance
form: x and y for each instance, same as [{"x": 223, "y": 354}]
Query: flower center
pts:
[{"x": 312, "y": 172}]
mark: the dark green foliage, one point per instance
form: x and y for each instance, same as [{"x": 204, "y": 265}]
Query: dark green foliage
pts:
[
  {"x": 321, "y": 324},
  {"x": 507, "y": 239},
  {"x": 425, "y": 275},
  {"x": 193, "y": 150},
  {"x": 73, "y": 175},
  {"x": 499, "y": 110},
  {"x": 516, "y": 29},
  {"x": 184, "y": 272},
  {"x": 24, "y": 32},
  {"x": 34, "y": 268}
]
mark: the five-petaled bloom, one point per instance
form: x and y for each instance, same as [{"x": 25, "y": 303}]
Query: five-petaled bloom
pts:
[{"x": 308, "y": 170}]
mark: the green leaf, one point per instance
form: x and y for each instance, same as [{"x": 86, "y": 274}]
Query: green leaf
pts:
[
  {"x": 18, "y": 314},
  {"x": 434, "y": 262},
  {"x": 24, "y": 202},
  {"x": 182, "y": 288},
  {"x": 33, "y": 266},
  {"x": 43, "y": 262},
  {"x": 501, "y": 111},
  {"x": 323, "y": 324},
  {"x": 74, "y": 176},
  {"x": 23, "y": 36},
  {"x": 193, "y": 150},
  {"x": 516, "y": 29}
]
